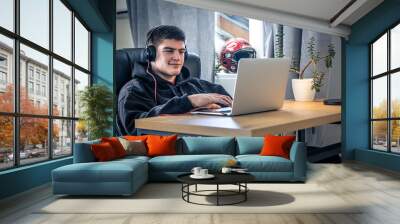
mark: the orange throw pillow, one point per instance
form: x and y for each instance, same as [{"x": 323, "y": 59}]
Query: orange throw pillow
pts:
[
  {"x": 277, "y": 146},
  {"x": 116, "y": 145},
  {"x": 103, "y": 151},
  {"x": 161, "y": 145},
  {"x": 135, "y": 138}
]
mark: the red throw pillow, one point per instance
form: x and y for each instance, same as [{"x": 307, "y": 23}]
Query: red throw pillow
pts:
[
  {"x": 103, "y": 151},
  {"x": 135, "y": 138},
  {"x": 161, "y": 145},
  {"x": 277, "y": 146},
  {"x": 116, "y": 145}
]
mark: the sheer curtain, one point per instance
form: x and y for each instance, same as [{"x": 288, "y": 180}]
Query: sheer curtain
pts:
[
  {"x": 198, "y": 25},
  {"x": 295, "y": 47}
]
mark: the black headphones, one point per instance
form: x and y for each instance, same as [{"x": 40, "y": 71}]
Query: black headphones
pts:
[{"x": 150, "y": 50}]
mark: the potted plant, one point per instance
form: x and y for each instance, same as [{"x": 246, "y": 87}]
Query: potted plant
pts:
[
  {"x": 96, "y": 104},
  {"x": 305, "y": 89}
]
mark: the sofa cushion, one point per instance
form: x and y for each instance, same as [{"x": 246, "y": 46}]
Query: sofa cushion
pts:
[
  {"x": 161, "y": 145},
  {"x": 135, "y": 137},
  {"x": 135, "y": 147},
  {"x": 277, "y": 146},
  {"x": 116, "y": 145},
  {"x": 257, "y": 163},
  {"x": 112, "y": 171},
  {"x": 103, "y": 152},
  {"x": 208, "y": 145},
  {"x": 249, "y": 145},
  {"x": 185, "y": 163}
]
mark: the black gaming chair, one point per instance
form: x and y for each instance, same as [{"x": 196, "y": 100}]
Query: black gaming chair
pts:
[{"x": 125, "y": 60}]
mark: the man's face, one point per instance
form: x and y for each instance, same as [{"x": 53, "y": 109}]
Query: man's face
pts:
[{"x": 170, "y": 57}]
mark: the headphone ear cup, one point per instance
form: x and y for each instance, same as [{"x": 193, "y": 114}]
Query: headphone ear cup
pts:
[{"x": 151, "y": 53}]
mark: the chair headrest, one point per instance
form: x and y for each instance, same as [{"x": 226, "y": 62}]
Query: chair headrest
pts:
[{"x": 126, "y": 58}]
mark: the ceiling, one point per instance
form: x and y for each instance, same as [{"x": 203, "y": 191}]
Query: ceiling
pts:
[
  {"x": 326, "y": 16},
  {"x": 318, "y": 9}
]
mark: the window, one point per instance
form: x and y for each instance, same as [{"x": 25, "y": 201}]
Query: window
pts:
[
  {"x": 3, "y": 72},
  {"x": 81, "y": 45},
  {"x": 38, "y": 74},
  {"x": 35, "y": 22},
  {"x": 7, "y": 14},
  {"x": 3, "y": 61},
  {"x": 3, "y": 78},
  {"x": 38, "y": 89},
  {"x": 30, "y": 72},
  {"x": 43, "y": 90},
  {"x": 54, "y": 125},
  {"x": 62, "y": 29},
  {"x": 30, "y": 87},
  {"x": 385, "y": 94}
]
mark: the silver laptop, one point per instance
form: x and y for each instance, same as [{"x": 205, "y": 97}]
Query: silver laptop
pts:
[{"x": 260, "y": 86}]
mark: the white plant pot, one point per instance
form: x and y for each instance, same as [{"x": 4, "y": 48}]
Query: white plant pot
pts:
[{"x": 302, "y": 89}]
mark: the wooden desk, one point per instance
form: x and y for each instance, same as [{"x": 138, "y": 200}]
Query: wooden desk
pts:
[{"x": 292, "y": 117}]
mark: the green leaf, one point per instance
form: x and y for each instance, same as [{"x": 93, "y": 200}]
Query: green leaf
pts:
[{"x": 96, "y": 104}]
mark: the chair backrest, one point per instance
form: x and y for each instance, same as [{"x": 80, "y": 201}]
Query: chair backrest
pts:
[{"x": 126, "y": 58}]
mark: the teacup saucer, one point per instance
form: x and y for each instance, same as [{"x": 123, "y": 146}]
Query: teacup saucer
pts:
[{"x": 208, "y": 176}]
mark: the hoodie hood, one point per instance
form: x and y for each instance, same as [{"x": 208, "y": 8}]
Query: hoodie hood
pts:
[{"x": 139, "y": 71}]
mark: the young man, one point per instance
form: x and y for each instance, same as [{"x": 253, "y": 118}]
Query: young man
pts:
[{"x": 163, "y": 85}]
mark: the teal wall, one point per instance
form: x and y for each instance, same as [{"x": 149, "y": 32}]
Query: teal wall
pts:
[
  {"x": 24, "y": 178},
  {"x": 356, "y": 92},
  {"x": 99, "y": 15}
]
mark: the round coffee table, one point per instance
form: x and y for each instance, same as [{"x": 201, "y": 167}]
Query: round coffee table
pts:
[{"x": 238, "y": 179}]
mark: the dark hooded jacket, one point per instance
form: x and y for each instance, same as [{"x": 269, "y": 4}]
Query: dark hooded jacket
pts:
[{"x": 136, "y": 98}]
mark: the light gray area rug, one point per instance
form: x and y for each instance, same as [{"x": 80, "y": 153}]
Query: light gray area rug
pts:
[{"x": 166, "y": 198}]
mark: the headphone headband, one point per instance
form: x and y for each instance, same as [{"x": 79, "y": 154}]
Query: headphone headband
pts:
[{"x": 150, "y": 34}]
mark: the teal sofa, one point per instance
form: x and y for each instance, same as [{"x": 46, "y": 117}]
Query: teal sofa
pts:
[{"x": 125, "y": 176}]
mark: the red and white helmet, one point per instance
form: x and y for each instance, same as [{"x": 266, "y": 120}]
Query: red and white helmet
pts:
[{"x": 233, "y": 50}]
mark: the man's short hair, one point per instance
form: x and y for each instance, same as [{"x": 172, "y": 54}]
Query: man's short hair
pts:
[{"x": 159, "y": 33}]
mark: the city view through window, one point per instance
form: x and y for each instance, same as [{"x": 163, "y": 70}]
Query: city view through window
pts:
[{"x": 39, "y": 113}]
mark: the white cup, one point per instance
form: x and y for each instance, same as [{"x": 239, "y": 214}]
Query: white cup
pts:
[
  {"x": 203, "y": 172},
  {"x": 196, "y": 171},
  {"x": 226, "y": 170}
]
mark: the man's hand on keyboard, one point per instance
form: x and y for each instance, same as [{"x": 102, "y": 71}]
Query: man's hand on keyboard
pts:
[{"x": 205, "y": 99}]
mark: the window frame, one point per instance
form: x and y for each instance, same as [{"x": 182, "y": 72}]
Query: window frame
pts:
[
  {"x": 388, "y": 74},
  {"x": 16, "y": 114}
]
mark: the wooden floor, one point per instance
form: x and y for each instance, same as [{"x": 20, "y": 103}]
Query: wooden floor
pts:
[{"x": 377, "y": 188}]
